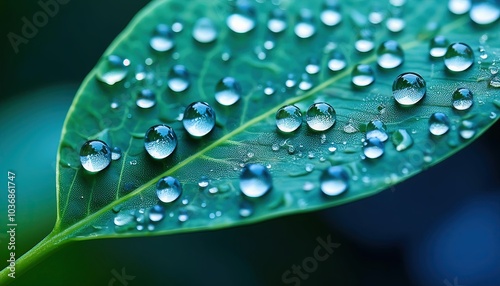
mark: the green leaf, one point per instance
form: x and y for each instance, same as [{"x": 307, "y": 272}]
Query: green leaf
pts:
[{"x": 246, "y": 132}]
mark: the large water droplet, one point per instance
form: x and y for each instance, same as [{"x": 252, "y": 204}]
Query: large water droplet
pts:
[
  {"x": 288, "y": 118},
  {"x": 330, "y": 14},
  {"x": 199, "y": 119},
  {"x": 337, "y": 61},
  {"x": 242, "y": 19},
  {"x": 334, "y": 181},
  {"x": 373, "y": 148},
  {"x": 459, "y": 7},
  {"x": 168, "y": 189},
  {"x": 439, "y": 123},
  {"x": 458, "y": 57},
  {"x": 95, "y": 156},
  {"x": 255, "y": 180},
  {"x": 116, "y": 153},
  {"x": 146, "y": 98},
  {"x": 389, "y": 55},
  {"x": 362, "y": 75},
  {"x": 160, "y": 141},
  {"x": 401, "y": 139},
  {"x": 364, "y": 42},
  {"x": 320, "y": 116},
  {"x": 305, "y": 28},
  {"x": 462, "y": 98},
  {"x": 156, "y": 213},
  {"x": 485, "y": 12},
  {"x": 227, "y": 91},
  {"x": 163, "y": 39},
  {"x": 178, "y": 78},
  {"x": 112, "y": 69},
  {"x": 408, "y": 88},
  {"x": 376, "y": 129},
  {"x": 277, "y": 21},
  {"x": 438, "y": 46},
  {"x": 204, "y": 31}
]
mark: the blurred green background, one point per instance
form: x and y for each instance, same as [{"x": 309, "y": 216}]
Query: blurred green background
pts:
[{"x": 437, "y": 227}]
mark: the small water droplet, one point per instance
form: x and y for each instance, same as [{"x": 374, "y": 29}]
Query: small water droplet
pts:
[
  {"x": 390, "y": 55},
  {"x": 178, "y": 78},
  {"x": 459, "y": 7},
  {"x": 146, "y": 98},
  {"x": 305, "y": 28},
  {"x": 226, "y": 56},
  {"x": 162, "y": 39},
  {"x": 204, "y": 31},
  {"x": 198, "y": 119},
  {"x": 362, "y": 75},
  {"x": 156, "y": 213},
  {"x": 493, "y": 115},
  {"x": 133, "y": 162},
  {"x": 160, "y": 141},
  {"x": 408, "y": 88},
  {"x": 462, "y": 98},
  {"x": 305, "y": 83},
  {"x": 467, "y": 129},
  {"x": 330, "y": 14},
  {"x": 373, "y": 148},
  {"x": 242, "y": 19},
  {"x": 376, "y": 15},
  {"x": 395, "y": 22},
  {"x": 309, "y": 168},
  {"x": 320, "y": 116},
  {"x": 203, "y": 182},
  {"x": 290, "y": 82},
  {"x": 364, "y": 42},
  {"x": 213, "y": 190},
  {"x": 115, "y": 105},
  {"x": 312, "y": 66},
  {"x": 458, "y": 57},
  {"x": 255, "y": 180},
  {"x": 177, "y": 26},
  {"x": 337, "y": 61},
  {"x": 401, "y": 139},
  {"x": 349, "y": 128},
  {"x": 439, "y": 124},
  {"x": 288, "y": 119},
  {"x": 95, "y": 156},
  {"x": 438, "y": 46},
  {"x": 111, "y": 70},
  {"x": 334, "y": 181},
  {"x": 185, "y": 201},
  {"x": 277, "y": 21},
  {"x": 275, "y": 147},
  {"x": 183, "y": 216},
  {"x": 495, "y": 81},
  {"x": 116, "y": 153},
  {"x": 269, "y": 89},
  {"x": 332, "y": 149},
  {"x": 168, "y": 189},
  {"x": 246, "y": 209},
  {"x": 227, "y": 91},
  {"x": 493, "y": 70},
  {"x": 376, "y": 129},
  {"x": 485, "y": 12},
  {"x": 308, "y": 186},
  {"x": 123, "y": 220}
]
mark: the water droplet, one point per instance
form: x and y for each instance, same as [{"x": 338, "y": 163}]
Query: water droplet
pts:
[
  {"x": 401, "y": 139},
  {"x": 438, "y": 46},
  {"x": 305, "y": 83},
  {"x": 364, "y": 42},
  {"x": 111, "y": 70},
  {"x": 123, "y": 219},
  {"x": 177, "y": 26},
  {"x": 304, "y": 28},
  {"x": 183, "y": 216},
  {"x": 439, "y": 123},
  {"x": 198, "y": 119},
  {"x": 269, "y": 89},
  {"x": 226, "y": 56},
  {"x": 290, "y": 81},
  {"x": 309, "y": 167},
  {"x": 493, "y": 115},
  {"x": 312, "y": 66},
  {"x": 255, "y": 180},
  {"x": 462, "y": 98},
  {"x": 213, "y": 190},
  {"x": 227, "y": 91},
  {"x": 376, "y": 16},
  {"x": 168, "y": 189},
  {"x": 376, "y": 129},
  {"x": 467, "y": 129},
  {"x": 204, "y": 31},
  {"x": 458, "y": 57},
  {"x": 459, "y": 7},
  {"x": 116, "y": 153},
  {"x": 308, "y": 186},
  {"x": 288, "y": 118},
  {"x": 133, "y": 162},
  {"x": 330, "y": 15},
  {"x": 373, "y": 148},
  {"x": 277, "y": 21},
  {"x": 395, "y": 22},
  {"x": 146, "y": 98},
  {"x": 156, "y": 213},
  {"x": 242, "y": 19},
  {"x": 160, "y": 141},
  {"x": 362, "y": 75},
  {"x": 332, "y": 149},
  {"x": 408, "y": 88},
  {"x": 334, "y": 181},
  {"x": 95, "y": 156},
  {"x": 203, "y": 182},
  {"x": 320, "y": 116},
  {"x": 493, "y": 70},
  {"x": 349, "y": 128},
  {"x": 163, "y": 38},
  {"x": 246, "y": 209},
  {"x": 485, "y": 12},
  {"x": 389, "y": 55},
  {"x": 275, "y": 147},
  {"x": 337, "y": 61},
  {"x": 178, "y": 78},
  {"x": 495, "y": 81}
]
